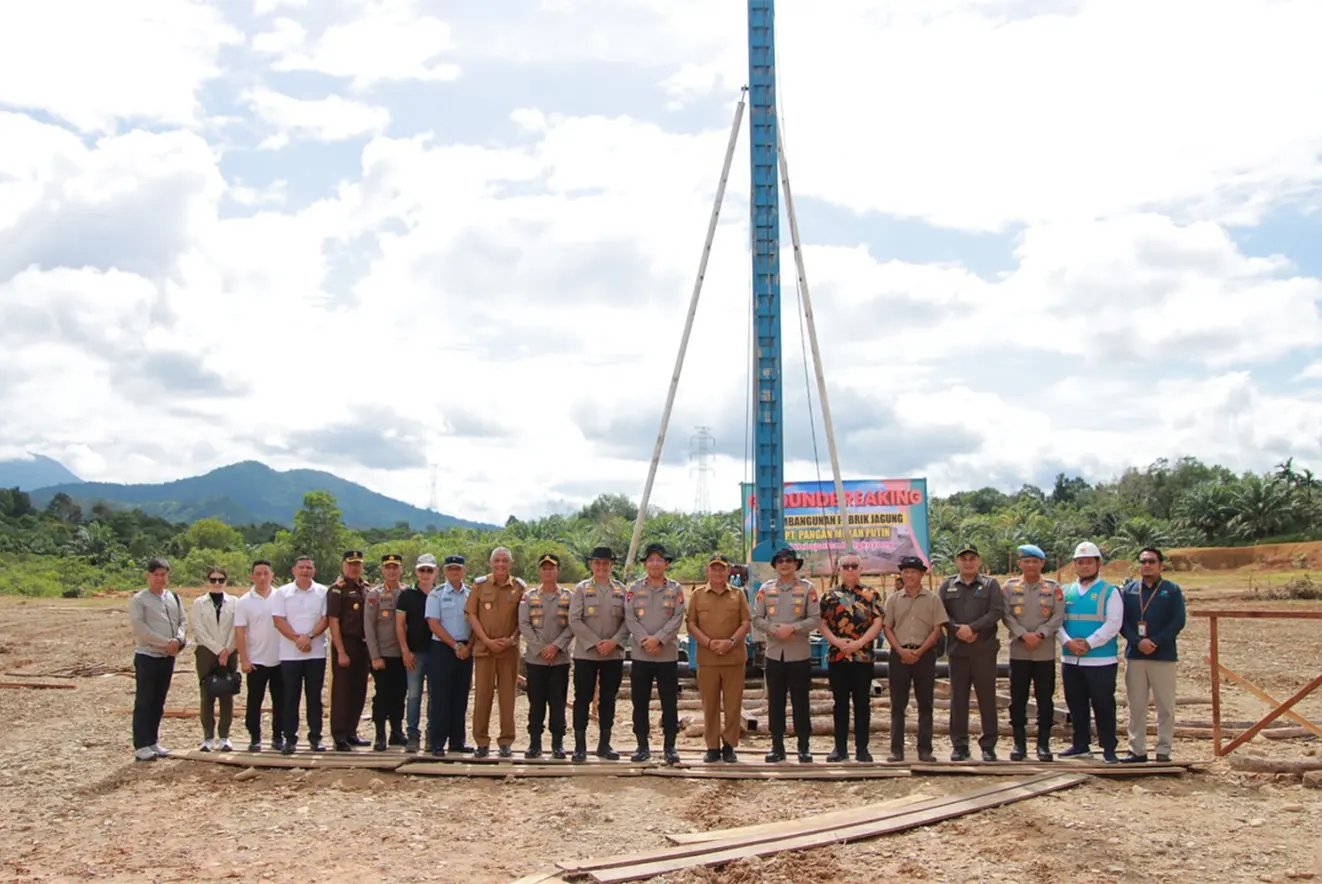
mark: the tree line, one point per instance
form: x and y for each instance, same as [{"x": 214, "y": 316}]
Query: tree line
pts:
[{"x": 62, "y": 549}]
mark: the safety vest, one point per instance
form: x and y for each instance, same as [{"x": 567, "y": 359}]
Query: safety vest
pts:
[{"x": 1087, "y": 608}]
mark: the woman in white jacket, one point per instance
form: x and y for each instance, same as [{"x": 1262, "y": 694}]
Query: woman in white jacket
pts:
[{"x": 213, "y": 630}]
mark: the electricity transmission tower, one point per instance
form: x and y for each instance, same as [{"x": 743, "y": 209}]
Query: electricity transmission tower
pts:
[
  {"x": 432, "y": 503},
  {"x": 701, "y": 451}
]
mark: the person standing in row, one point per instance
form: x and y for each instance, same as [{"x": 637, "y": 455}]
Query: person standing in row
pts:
[
  {"x": 344, "y": 610},
  {"x": 787, "y": 611},
  {"x": 384, "y": 650},
  {"x": 913, "y": 622},
  {"x": 159, "y": 634},
  {"x": 1089, "y": 661},
  {"x": 596, "y": 618},
  {"x": 258, "y": 646},
  {"x": 493, "y": 613},
  {"x": 450, "y": 660},
  {"x": 975, "y": 606},
  {"x": 852, "y": 617},
  {"x": 1034, "y": 611},
  {"x": 654, "y": 610},
  {"x": 213, "y": 627},
  {"x": 544, "y": 625},
  {"x": 1154, "y": 617},
  {"x": 718, "y": 620},
  {"x": 414, "y": 637},
  {"x": 298, "y": 613}
]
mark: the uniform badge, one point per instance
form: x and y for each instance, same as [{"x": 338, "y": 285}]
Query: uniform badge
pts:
[
  {"x": 1046, "y": 612},
  {"x": 487, "y": 606},
  {"x": 798, "y": 609},
  {"x": 591, "y": 611},
  {"x": 1018, "y": 610},
  {"x": 1060, "y": 594},
  {"x": 771, "y": 611},
  {"x": 385, "y": 613},
  {"x": 355, "y": 606}
]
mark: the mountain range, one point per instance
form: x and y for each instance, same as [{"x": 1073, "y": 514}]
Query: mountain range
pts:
[{"x": 239, "y": 494}]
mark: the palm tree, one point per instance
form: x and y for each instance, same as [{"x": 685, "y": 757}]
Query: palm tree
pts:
[
  {"x": 1206, "y": 508},
  {"x": 1262, "y": 507}
]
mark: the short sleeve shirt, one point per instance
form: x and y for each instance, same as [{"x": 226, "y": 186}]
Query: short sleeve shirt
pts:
[{"x": 850, "y": 613}]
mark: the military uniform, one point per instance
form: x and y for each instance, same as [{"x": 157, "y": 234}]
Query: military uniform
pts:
[
  {"x": 344, "y": 607},
  {"x": 789, "y": 660},
  {"x": 495, "y": 607},
  {"x": 979, "y": 605},
  {"x": 391, "y": 681},
  {"x": 544, "y": 622},
  {"x": 596, "y": 613},
  {"x": 1032, "y": 608},
  {"x": 720, "y": 614},
  {"x": 655, "y": 611}
]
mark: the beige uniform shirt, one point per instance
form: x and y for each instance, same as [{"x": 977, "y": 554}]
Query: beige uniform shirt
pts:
[
  {"x": 656, "y": 612},
  {"x": 379, "y": 622},
  {"x": 794, "y": 604},
  {"x": 1029, "y": 608},
  {"x": 912, "y": 618},
  {"x": 596, "y": 613},
  {"x": 543, "y": 621}
]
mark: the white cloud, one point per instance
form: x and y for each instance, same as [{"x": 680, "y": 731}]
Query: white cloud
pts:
[
  {"x": 324, "y": 119},
  {"x": 266, "y": 7}
]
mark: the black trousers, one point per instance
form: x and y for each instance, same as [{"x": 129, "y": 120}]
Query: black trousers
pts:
[
  {"x": 348, "y": 688},
  {"x": 666, "y": 676},
  {"x": 587, "y": 673},
  {"x": 794, "y": 678},
  {"x": 1039, "y": 677},
  {"x": 447, "y": 701},
  {"x": 921, "y": 677},
  {"x": 547, "y": 686},
  {"x": 261, "y": 680},
  {"x": 851, "y": 681},
  {"x": 1090, "y": 690},
  {"x": 305, "y": 678},
  {"x": 151, "y": 684},
  {"x": 977, "y": 671},
  {"x": 390, "y": 687}
]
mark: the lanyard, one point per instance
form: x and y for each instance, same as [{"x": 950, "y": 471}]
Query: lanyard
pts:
[{"x": 1142, "y": 605}]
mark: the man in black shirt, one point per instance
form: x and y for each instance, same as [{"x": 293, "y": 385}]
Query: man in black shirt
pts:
[{"x": 415, "y": 641}]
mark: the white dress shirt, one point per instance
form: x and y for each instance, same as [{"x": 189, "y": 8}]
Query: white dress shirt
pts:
[
  {"x": 253, "y": 613},
  {"x": 1115, "y": 615},
  {"x": 302, "y": 610}
]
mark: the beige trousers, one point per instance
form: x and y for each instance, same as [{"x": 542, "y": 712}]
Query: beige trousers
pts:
[{"x": 1155, "y": 678}]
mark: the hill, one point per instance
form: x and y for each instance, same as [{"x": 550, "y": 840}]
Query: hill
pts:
[
  {"x": 252, "y": 493},
  {"x": 34, "y": 471}
]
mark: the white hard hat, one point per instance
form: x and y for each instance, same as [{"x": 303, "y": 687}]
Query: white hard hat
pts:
[{"x": 1087, "y": 550}]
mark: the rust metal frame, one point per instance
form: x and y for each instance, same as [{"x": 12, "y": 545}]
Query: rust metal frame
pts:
[{"x": 1219, "y": 671}]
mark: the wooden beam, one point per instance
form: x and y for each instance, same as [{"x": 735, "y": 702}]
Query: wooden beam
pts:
[
  {"x": 37, "y": 685},
  {"x": 1271, "y": 716},
  {"x": 774, "y": 772},
  {"x": 1257, "y": 764},
  {"x": 518, "y": 771},
  {"x": 318, "y": 761},
  {"x": 1261, "y": 615},
  {"x": 1023, "y": 769},
  {"x": 1214, "y": 644},
  {"x": 1265, "y": 697},
  {"x": 797, "y": 826}
]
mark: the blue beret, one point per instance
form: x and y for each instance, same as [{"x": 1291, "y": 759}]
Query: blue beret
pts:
[{"x": 1029, "y": 550}]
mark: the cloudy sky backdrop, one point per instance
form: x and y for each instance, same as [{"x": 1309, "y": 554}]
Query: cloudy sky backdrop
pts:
[{"x": 377, "y": 236}]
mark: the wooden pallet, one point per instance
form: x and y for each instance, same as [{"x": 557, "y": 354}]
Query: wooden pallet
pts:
[{"x": 310, "y": 760}]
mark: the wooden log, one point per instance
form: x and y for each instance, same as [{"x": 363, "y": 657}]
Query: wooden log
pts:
[
  {"x": 1288, "y": 733},
  {"x": 1258, "y": 764},
  {"x": 37, "y": 685}
]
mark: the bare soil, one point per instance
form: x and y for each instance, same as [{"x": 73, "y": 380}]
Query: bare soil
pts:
[{"x": 75, "y": 806}]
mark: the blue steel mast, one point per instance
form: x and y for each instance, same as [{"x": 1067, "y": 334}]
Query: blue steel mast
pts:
[{"x": 768, "y": 433}]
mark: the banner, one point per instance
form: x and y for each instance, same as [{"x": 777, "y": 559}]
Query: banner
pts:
[{"x": 887, "y": 520}]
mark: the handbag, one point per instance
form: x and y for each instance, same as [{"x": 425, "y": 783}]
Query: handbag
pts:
[{"x": 223, "y": 683}]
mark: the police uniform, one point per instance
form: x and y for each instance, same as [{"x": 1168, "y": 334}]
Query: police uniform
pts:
[
  {"x": 978, "y": 605},
  {"x": 1032, "y": 609},
  {"x": 344, "y": 608},
  {"x": 655, "y": 610},
  {"x": 912, "y": 623},
  {"x": 543, "y": 623},
  {"x": 789, "y": 660},
  {"x": 596, "y": 613},
  {"x": 495, "y": 607},
  {"x": 391, "y": 680},
  {"x": 720, "y": 614}
]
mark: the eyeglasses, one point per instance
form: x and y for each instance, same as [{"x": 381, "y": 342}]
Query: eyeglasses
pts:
[
  {"x": 216, "y": 579},
  {"x": 427, "y": 570},
  {"x": 850, "y": 567},
  {"x": 1147, "y": 561}
]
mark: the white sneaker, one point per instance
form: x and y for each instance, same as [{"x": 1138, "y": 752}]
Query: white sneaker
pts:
[
  {"x": 226, "y": 745},
  {"x": 160, "y": 750},
  {"x": 207, "y": 745},
  {"x": 146, "y": 753}
]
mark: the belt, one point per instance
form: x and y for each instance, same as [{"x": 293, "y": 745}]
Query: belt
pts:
[{"x": 911, "y": 647}]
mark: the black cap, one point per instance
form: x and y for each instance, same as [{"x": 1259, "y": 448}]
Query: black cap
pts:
[
  {"x": 968, "y": 548},
  {"x": 718, "y": 557},
  {"x": 602, "y": 552},
  {"x": 158, "y": 563},
  {"x": 907, "y": 562},
  {"x": 454, "y": 560},
  {"x": 657, "y": 549},
  {"x": 787, "y": 552},
  {"x": 549, "y": 559},
  {"x": 392, "y": 558},
  {"x": 353, "y": 555}
]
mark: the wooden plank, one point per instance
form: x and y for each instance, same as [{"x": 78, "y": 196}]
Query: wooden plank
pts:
[
  {"x": 451, "y": 758},
  {"x": 1214, "y": 649},
  {"x": 628, "y": 859},
  {"x": 37, "y": 685},
  {"x": 527, "y": 771},
  {"x": 1264, "y": 697},
  {"x": 310, "y": 761},
  {"x": 797, "y": 826},
  {"x": 919, "y": 816},
  {"x": 1261, "y": 615},
  {"x": 1271, "y": 716},
  {"x": 551, "y": 877},
  {"x": 802, "y": 772},
  {"x": 1096, "y": 770}
]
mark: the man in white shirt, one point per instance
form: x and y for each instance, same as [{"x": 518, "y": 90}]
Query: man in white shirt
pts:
[
  {"x": 259, "y": 656},
  {"x": 298, "y": 613},
  {"x": 1089, "y": 662}
]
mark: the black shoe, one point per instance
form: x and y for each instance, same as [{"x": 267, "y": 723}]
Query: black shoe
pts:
[
  {"x": 1110, "y": 758},
  {"x": 805, "y": 758},
  {"x": 287, "y": 748},
  {"x": 728, "y": 754},
  {"x": 481, "y": 751},
  {"x": 462, "y": 749},
  {"x": 534, "y": 749},
  {"x": 1077, "y": 752},
  {"x": 1131, "y": 758},
  {"x": 837, "y": 755},
  {"x": 256, "y": 746},
  {"x": 775, "y": 756},
  {"x": 672, "y": 757},
  {"x": 862, "y": 756},
  {"x": 641, "y": 754},
  {"x": 411, "y": 746},
  {"x": 1044, "y": 752},
  {"x": 959, "y": 755},
  {"x": 508, "y": 752},
  {"x": 989, "y": 755},
  {"x": 356, "y": 740},
  {"x": 580, "y": 746},
  {"x": 436, "y": 751},
  {"x": 397, "y": 738},
  {"x": 605, "y": 751},
  {"x": 1019, "y": 752},
  {"x": 380, "y": 744},
  {"x": 1163, "y": 759},
  {"x": 277, "y": 745},
  {"x": 343, "y": 746},
  {"x": 895, "y": 757},
  {"x": 927, "y": 757},
  {"x": 712, "y": 756},
  {"x": 314, "y": 745},
  {"x": 558, "y": 749}
]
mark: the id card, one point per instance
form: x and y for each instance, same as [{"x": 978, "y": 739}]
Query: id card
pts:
[{"x": 1142, "y": 629}]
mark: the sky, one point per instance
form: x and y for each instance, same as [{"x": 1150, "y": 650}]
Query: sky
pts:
[{"x": 403, "y": 238}]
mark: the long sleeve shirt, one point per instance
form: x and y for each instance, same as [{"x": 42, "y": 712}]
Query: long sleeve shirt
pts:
[
  {"x": 1115, "y": 615},
  {"x": 214, "y": 630},
  {"x": 657, "y": 612},
  {"x": 156, "y": 621},
  {"x": 1161, "y": 609},
  {"x": 596, "y": 613},
  {"x": 980, "y": 606},
  {"x": 794, "y": 604}
]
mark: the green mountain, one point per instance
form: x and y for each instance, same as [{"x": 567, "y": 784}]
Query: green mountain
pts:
[
  {"x": 252, "y": 493},
  {"x": 34, "y": 471}
]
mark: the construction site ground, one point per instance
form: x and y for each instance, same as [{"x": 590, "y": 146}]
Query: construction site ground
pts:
[{"x": 76, "y": 806}]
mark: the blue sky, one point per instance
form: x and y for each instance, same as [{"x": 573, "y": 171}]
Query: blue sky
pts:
[{"x": 463, "y": 236}]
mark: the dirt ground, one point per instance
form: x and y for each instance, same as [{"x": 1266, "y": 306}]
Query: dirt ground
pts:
[{"x": 76, "y": 807}]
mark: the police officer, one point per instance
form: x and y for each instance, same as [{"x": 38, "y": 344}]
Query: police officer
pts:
[
  {"x": 718, "y": 620},
  {"x": 654, "y": 610},
  {"x": 1034, "y": 610},
  {"x": 596, "y": 618},
  {"x": 493, "y": 612},
  {"x": 344, "y": 610},
  {"x": 975, "y": 606},
  {"x": 388, "y": 673},
  {"x": 787, "y": 611},
  {"x": 544, "y": 625}
]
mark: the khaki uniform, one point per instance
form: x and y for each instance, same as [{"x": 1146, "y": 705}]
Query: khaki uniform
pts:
[
  {"x": 544, "y": 622},
  {"x": 655, "y": 612},
  {"x": 496, "y": 608},
  {"x": 344, "y": 602},
  {"x": 1032, "y": 608},
  {"x": 596, "y": 613},
  {"x": 383, "y": 644},
  {"x": 912, "y": 620},
  {"x": 719, "y": 614},
  {"x": 789, "y": 664}
]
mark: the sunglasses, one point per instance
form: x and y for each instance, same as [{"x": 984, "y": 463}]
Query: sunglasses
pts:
[
  {"x": 850, "y": 567},
  {"x": 216, "y": 579},
  {"x": 1147, "y": 561},
  {"x": 429, "y": 570}
]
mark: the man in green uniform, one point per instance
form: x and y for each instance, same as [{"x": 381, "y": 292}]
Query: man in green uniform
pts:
[{"x": 344, "y": 610}]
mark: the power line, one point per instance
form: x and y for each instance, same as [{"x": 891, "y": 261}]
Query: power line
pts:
[{"x": 702, "y": 449}]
